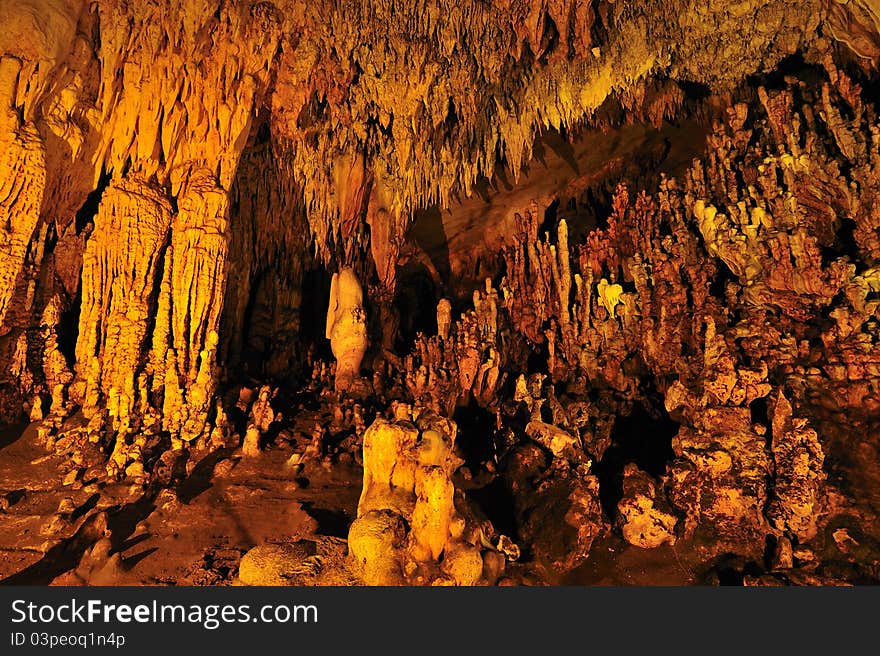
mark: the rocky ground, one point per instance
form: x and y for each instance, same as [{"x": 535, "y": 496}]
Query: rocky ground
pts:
[
  {"x": 113, "y": 534},
  {"x": 294, "y": 520}
]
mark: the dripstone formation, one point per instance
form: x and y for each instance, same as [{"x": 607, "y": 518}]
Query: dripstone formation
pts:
[{"x": 542, "y": 280}]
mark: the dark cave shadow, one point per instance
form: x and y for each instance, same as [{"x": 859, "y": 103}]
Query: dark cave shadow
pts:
[
  {"x": 428, "y": 232},
  {"x": 563, "y": 149},
  {"x": 416, "y": 302},
  {"x": 10, "y": 434},
  {"x": 501, "y": 181},
  {"x": 482, "y": 187},
  {"x": 123, "y": 521},
  {"x": 315, "y": 293},
  {"x": 334, "y": 523},
  {"x": 129, "y": 543},
  {"x": 61, "y": 558},
  {"x": 90, "y": 503},
  {"x": 246, "y": 534},
  {"x": 643, "y": 437},
  {"x": 730, "y": 569},
  {"x": 199, "y": 480},
  {"x": 132, "y": 561},
  {"x": 496, "y": 502},
  {"x": 14, "y": 496}
]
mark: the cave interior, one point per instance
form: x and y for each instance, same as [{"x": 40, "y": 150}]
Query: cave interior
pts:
[{"x": 407, "y": 293}]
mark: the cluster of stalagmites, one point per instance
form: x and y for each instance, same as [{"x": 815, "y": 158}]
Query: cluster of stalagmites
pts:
[
  {"x": 734, "y": 363},
  {"x": 742, "y": 365},
  {"x": 338, "y": 109},
  {"x": 157, "y": 210},
  {"x": 412, "y": 525},
  {"x": 139, "y": 280}
]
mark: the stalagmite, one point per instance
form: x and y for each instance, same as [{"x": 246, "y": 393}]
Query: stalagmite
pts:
[
  {"x": 185, "y": 336},
  {"x": 55, "y": 367},
  {"x": 444, "y": 318},
  {"x": 346, "y": 327},
  {"x": 644, "y": 523},
  {"x": 798, "y": 455},
  {"x": 118, "y": 298},
  {"x": 408, "y": 467},
  {"x": 260, "y": 418},
  {"x": 22, "y": 181}
]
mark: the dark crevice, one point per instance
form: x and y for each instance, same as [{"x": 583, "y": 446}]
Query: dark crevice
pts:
[
  {"x": 475, "y": 444},
  {"x": 643, "y": 437},
  {"x": 549, "y": 223},
  {"x": 315, "y": 292},
  {"x": 67, "y": 331},
  {"x": 476, "y": 428},
  {"x": 86, "y": 214},
  {"x": 497, "y": 503},
  {"x": 416, "y": 301}
]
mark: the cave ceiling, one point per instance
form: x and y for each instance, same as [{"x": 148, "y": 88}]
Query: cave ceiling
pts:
[{"x": 413, "y": 99}]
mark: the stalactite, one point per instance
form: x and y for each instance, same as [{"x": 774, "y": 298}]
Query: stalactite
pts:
[
  {"x": 396, "y": 101},
  {"x": 188, "y": 176}
]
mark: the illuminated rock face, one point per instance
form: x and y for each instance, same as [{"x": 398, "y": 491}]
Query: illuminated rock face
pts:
[
  {"x": 408, "y": 528},
  {"x": 117, "y": 281},
  {"x": 178, "y": 178},
  {"x": 74, "y": 111},
  {"x": 347, "y": 326},
  {"x": 644, "y": 522}
]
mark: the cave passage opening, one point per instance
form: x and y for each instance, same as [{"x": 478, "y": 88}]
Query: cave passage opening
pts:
[
  {"x": 415, "y": 300},
  {"x": 475, "y": 444},
  {"x": 643, "y": 437},
  {"x": 68, "y": 328}
]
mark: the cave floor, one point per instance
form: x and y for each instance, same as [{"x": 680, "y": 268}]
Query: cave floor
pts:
[
  {"x": 194, "y": 536},
  {"x": 113, "y": 534},
  {"x": 197, "y": 535}
]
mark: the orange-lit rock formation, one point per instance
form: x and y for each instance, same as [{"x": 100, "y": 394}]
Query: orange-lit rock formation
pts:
[
  {"x": 408, "y": 528},
  {"x": 538, "y": 223},
  {"x": 346, "y": 326}
]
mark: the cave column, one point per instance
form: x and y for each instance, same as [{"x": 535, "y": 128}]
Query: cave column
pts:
[
  {"x": 386, "y": 236},
  {"x": 185, "y": 336},
  {"x": 120, "y": 265},
  {"x": 152, "y": 286},
  {"x": 22, "y": 183}
]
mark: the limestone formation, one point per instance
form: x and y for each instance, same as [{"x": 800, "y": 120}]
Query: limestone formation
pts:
[
  {"x": 645, "y": 523},
  {"x": 592, "y": 269},
  {"x": 346, "y": 327},
  {"x": 276, "y": 564},
  {"x": 260, "y": 418},
  {"x": 798, "y": 456},
  {"x": 444, "y": 318},
  {"x": 408, "y": 527}
]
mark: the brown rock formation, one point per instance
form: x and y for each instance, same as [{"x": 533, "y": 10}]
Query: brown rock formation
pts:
[{"x": 536, "y": 222}]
